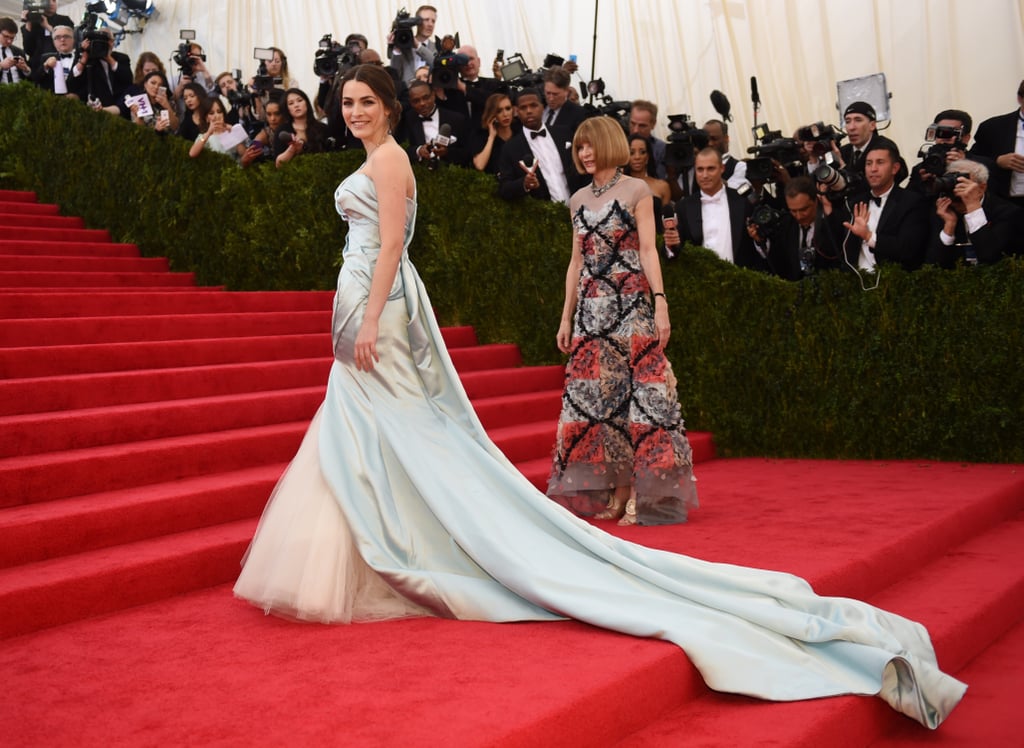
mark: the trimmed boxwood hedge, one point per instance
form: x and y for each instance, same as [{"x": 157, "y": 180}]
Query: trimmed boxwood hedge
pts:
[{"x": 928, "y": 365}]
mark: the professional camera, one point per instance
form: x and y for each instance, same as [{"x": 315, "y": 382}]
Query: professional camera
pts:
[
  {"x": 766, "y": 218},
  {"x": 822, "y": 135},
  {"x": 447, "y": 63},
  {"x": 99, "y": 45},
  {"x": 36, "y": 9},
  {"x": 837, "y": 182},
  {"x": 332, "y": 58},
  {"x": 943, "y": 184},
  {"x": 403, "y": 36},
  {"x": 771, "y": 145},
  {"x": 517, "y": 74},
  {"x": 683, "y": 142},
  {"x": 934, "y": 157},
  {"x": 263, "y": 82},
  {"x": 183, "y": 56}
]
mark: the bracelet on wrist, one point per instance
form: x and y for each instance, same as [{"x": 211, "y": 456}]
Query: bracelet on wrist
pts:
[{"x": 662, "y": 295}]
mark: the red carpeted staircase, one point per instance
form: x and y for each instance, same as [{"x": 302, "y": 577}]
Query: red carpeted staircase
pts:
[{"x": 145, "y": 421}]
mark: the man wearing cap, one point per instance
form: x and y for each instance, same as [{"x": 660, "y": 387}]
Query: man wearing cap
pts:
[
  {"x": 1001, "y": 139},
  {"x": 861, "y": 129},
  {"x": 885, "y": 222}
]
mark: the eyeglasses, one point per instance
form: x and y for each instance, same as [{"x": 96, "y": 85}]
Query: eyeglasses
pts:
[{"x": 63, "y": 36}]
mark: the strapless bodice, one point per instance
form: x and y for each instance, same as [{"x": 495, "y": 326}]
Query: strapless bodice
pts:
[{"x": 356, "y": 202}]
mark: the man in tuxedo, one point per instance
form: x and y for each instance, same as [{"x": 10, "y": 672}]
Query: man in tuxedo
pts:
[
  {"x": 101, "y": 82},
  {"x": 805, "y": 241},
  {"x": 474, "y": 86},
  {"x": 715, "y": 216},
  {"x": 950, "y": 132},
  {"x": 971, "y": 225},
  {"x": 423, "y": 124},
  {"x": 885, "y": 222},
  {"x": 37, "y": 36},
  {"x": 559, "y": 110},
  {"x": 14, "y": 66},
  {"x": 537, "y": 161},
  {"x": 735, "y": 174},
  {"x": 54, "y": 69},
  {"x": 861, "y": 128},
  {"x": 1001, "y": 139}
]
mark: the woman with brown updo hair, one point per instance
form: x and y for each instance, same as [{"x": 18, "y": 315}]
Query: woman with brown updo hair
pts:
[{"x": 398, "y": 504}]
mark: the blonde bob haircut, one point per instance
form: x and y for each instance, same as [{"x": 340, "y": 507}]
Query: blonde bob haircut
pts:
[{"x": 605, "y": 136}]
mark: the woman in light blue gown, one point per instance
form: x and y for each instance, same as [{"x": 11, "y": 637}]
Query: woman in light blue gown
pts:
[{"x": 398, "y": 504}]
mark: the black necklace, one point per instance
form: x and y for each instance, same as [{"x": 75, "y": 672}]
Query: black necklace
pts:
[{"x": 598, "y": 191}]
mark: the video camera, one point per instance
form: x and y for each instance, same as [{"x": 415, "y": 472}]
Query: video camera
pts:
[
  {"x": 447, "y": 63},
  {"x": 517, "y": 74},
  {"x": 263, "y": 82},
  {"x": 822, "y": 135},
  {"x": 183, "y": 56},
  {"x": 402, "y": 35},
  {"x": 36, "y": 9},
  {"x": 332, "y": 58},
  {"x": 91, "y": 29},
  {"x": 934, "y": 156},
  {"x": 683, "y": 142},
  {"x": 772, "y": 146}
]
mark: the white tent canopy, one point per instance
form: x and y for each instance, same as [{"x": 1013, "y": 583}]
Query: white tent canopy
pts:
[{"x": 935, "y": 54}]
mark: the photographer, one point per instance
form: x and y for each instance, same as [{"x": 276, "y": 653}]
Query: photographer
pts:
[
  {"x": 474, "y": 86},
  {"x": 53, "y": 71},
  {"x": 643, "y": 115},
  {"x": 949, "y": 136},
  {"x": 101, "y": 75},
  {"x": 969, "y": 224},
  {"x": 735, "y": 173},
  {"x": 410, "y": 51},
  {"x": 192, "y": 69},
  {"x": 228, "y": 93},
  {"x": 800, "y": 240},
  {"x": 999, "y": 139},
  {"x": 13, "y": 65},
  {"x": 40, "y": 20}
]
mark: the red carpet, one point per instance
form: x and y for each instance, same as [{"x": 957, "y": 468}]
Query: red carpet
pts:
[{"x": 145, "y": 422}]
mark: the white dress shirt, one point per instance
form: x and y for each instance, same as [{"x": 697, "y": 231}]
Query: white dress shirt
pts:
[
  {"x": 714, "y": 213},
  {"x": 867, "y": 253},
  {"x": 545, "y": 149}
]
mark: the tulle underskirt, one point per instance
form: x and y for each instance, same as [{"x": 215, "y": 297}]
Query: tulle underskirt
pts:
[{"x": 306, "y": 565}]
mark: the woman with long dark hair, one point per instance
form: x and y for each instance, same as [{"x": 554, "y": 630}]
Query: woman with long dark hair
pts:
[{"x": 398, "y": 503}]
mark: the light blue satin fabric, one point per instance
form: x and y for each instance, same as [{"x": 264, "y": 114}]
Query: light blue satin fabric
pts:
[{"x": 448, "y": 521}]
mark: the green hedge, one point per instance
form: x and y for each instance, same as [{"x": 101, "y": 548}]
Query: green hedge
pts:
[{"x": 926, "y": 366}]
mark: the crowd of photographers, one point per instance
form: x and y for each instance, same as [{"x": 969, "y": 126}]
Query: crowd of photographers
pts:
[{"x": 826, "y": 198}]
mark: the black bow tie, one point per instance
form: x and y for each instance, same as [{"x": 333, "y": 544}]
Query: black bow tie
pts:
[
  {"x": 426, "y": 119},
  {"x": 538, "y": 134},
  {"x": 67, "y": 56},
  {"x": 876, "y": 200}
]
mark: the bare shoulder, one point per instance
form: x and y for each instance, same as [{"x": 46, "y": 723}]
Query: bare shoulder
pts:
[{"x": 389, "y": 168}]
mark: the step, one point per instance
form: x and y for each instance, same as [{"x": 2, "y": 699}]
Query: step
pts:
[
  {"x": 56, "y": 279},
  {"x": 36, "y": 532},
  {"x": 983, "y": 581},
  {"x": 35, "y": 248},
  {"x": 36, "y": 221},
  {"x": 57, "y": 234},
  {"x": 21, "y": 333},
  {"x": 61, "y": 590},
  {"x": 62, "y": 264},
  {"x": 509, "y": 410},
  {"x": 104, "y": 389},
  {"x": 39, "y": 433},
  {"x": 43, "y": 210},
  {"x": 39, "y": 303},
  {"x": 17, "y": 196},
  {"x": 59, "y": 475},
  {"x": 507, "y": 380},
  {"x": 49, "y": 361}
]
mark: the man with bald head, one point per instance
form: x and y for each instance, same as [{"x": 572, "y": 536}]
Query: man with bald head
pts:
[{"x": 475, "y": 87}]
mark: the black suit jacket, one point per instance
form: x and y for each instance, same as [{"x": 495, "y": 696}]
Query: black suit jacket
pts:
[
  {"x": 996, "y": 136},
  {"x": 37, "y": 42},
  {"x": 42, "y": 76},
  {"x": 690, "y": 221},
  {"x": 902, "y": 231},
  {"x": 95, "y": 81},
  {"x": 458, "y": 152},
  {"x": 857, "y": 165},
  {"x": 569, "y": 116},
  {"x": 784, "y": 248},
  {"x": 997, "y": 238},
  {"x": 510, "y": 175}
]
